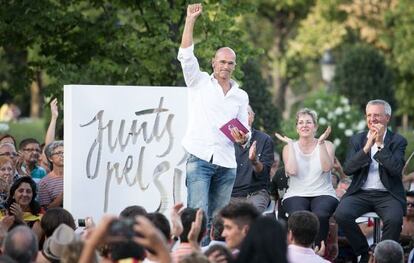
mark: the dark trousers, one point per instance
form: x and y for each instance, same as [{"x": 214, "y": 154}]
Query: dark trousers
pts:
[
  {"x": 353, "y": 206},
  {"x": 322, "y": 206}
]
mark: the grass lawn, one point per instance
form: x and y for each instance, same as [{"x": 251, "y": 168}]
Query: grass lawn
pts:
[{"x": 25, "y": 128}]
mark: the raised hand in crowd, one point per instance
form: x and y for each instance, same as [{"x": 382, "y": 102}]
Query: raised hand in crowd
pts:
[
  {"x": 195, "y": 230},
  {"x": 51, "y": 130},
  {"x": 175, "y": 217},
  {"x": 148, "y": 236}
]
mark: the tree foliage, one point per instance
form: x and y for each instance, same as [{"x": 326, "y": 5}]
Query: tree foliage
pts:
[
  {"x": 362, "y": 75},
  {"x": 109, "y": 42},
  {"x": 267, "y": 115},
  {"x": 271, "y": 28},
  {"x": 400, "y": 36}
]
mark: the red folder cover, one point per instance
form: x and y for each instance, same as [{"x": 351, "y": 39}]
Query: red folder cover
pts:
[{"x": 226, "y": 128}]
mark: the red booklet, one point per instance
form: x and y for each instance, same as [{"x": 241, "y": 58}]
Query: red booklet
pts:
[{"x": 226, "y": 128}]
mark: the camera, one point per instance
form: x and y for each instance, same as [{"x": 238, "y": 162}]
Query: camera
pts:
[
  {"x": 122, "y": 228},
  {"x": 81, "y": 222}
]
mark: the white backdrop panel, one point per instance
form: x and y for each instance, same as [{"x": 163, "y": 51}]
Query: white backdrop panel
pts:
[{"x": 123, "y": 147}]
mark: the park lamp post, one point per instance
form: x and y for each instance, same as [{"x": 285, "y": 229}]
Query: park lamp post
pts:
[{"x": 328, "y": 68}]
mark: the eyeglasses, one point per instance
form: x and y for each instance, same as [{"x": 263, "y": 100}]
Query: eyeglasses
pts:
[
  {"x": 58, "y": 153},
  {"x": 32, "y": 150},
  {"x": 410, "y": 204},
  {"x": 9, "y": 154}
]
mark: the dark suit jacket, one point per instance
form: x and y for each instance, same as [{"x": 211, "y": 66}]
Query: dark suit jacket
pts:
[{"x": 390, "y": 159}]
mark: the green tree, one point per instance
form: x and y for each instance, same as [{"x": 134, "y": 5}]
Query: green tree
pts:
[
  {"x": 362, "y": 75},
  {"x": 270, "y": 29},
  {"x": 267, "y": 115},
  {"x": 400, "y": 37},
  {"x": 56, "y": 42}
]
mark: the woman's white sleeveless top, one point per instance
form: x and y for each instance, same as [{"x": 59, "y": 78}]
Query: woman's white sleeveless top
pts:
[{"x": 310, "y": 180}]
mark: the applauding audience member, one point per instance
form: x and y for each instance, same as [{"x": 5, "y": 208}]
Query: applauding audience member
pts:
[
  {"x": 308, "y": 163},
  {"x": 22, "y": 205}
]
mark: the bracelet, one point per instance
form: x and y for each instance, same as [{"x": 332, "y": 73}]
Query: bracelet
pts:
[{"x": 321, "y": 142}]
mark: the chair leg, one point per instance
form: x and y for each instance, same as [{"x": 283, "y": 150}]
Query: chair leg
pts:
[{"x": 377, "y": 230}]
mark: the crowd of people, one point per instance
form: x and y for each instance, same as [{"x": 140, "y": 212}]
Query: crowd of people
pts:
[{"x": 242, "y": 206}]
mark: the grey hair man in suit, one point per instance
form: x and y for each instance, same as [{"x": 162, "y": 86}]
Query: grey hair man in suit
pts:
[{"x": 375, "y": 159}]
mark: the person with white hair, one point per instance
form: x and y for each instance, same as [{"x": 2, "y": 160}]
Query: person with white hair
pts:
[
  {"x": 375, "y": 161},
  {"x": 388, "y": 251},
  {"x": 21, "y": 244}
]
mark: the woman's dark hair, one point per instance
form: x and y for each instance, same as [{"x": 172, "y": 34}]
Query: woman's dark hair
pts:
[
  {"x": 265, "y": 242},
  {"x": 34, "y": 205},
  {"x": 54, "y": 217}
]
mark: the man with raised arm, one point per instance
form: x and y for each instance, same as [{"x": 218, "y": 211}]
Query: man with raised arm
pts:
[
  {"x": 375, "y": 159},
  {"x": 213, "y": 100}
]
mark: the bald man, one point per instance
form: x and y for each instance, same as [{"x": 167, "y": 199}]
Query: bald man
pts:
[{"x": 213, "y": 100}]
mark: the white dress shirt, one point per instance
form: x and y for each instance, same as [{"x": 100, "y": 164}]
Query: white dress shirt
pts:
[
  {"x": 373, "y": 181},
  {"x": 208, "y": 110},
  {"x": 298, "y": 254}
]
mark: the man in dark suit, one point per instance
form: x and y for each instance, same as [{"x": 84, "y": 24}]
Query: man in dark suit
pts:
[{"x": 375, "y": 160}]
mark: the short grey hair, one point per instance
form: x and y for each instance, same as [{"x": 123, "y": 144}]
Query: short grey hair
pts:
[
  {"x": 21, "y": 244},
  {"x": 51, "y": 147},
  {"x": 307, "y": 111},
  {"x": 389, "y": 251},
  {"x": 387, "y": 106}
]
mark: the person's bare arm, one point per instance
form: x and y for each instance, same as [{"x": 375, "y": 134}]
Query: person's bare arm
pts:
[
  {"x": 51, "y": 130},
  {"x": 193, "y": 11},
  {"x": 195, "y": 230},
  {"x": 288, "y": 155}
]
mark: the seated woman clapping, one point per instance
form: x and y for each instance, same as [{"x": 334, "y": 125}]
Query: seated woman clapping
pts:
[{"x": 308, "y": 163}]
